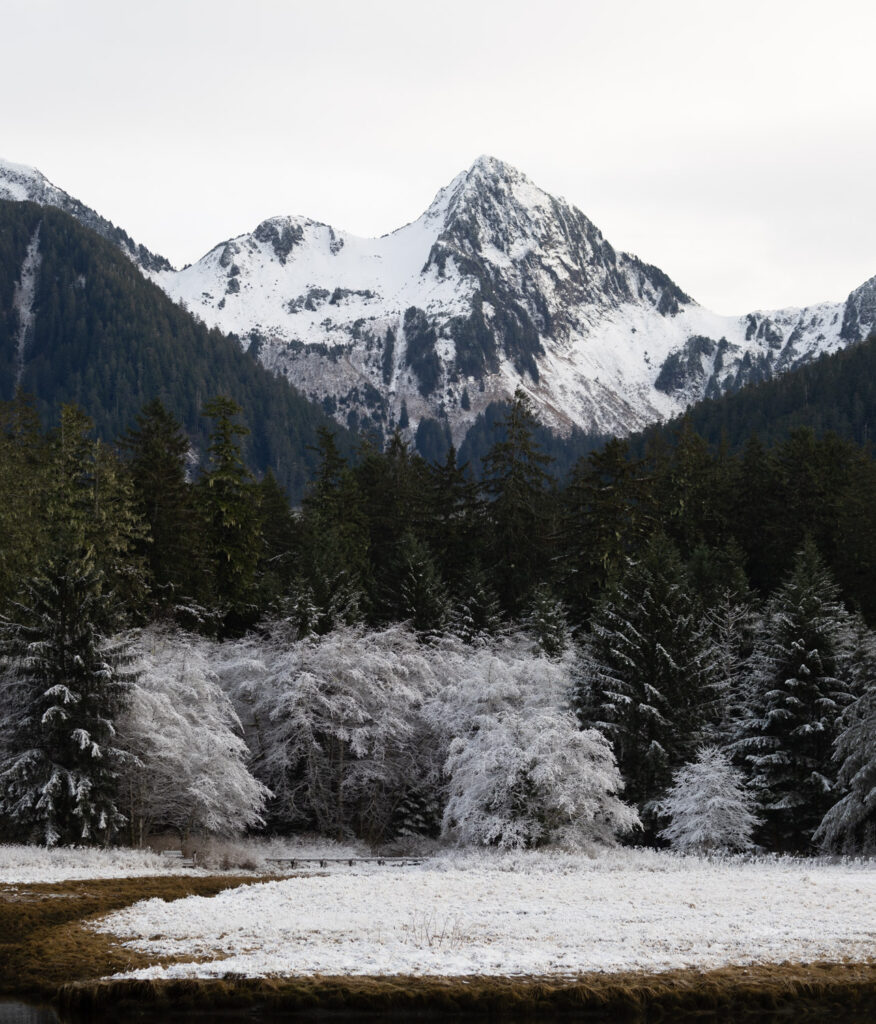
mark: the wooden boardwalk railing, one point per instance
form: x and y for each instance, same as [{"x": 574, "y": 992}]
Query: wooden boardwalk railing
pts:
[{"x": 323, "y": 862}]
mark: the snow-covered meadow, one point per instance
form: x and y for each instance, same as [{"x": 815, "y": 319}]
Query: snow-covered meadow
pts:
[
  {"x": 524, "y": 913},
  {"x": 28, "y": 865},
  {"x": 22, "y": 864}
]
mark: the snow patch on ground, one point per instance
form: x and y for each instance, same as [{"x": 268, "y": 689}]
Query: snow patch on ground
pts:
[{"x": 516, "y": 914}]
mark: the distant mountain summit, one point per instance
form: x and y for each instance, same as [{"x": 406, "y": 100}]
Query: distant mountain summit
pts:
[{"x": 498, "y": 285}]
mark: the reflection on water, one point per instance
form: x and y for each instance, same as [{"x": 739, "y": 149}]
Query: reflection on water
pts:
[{"x": 18, "y": 1013}]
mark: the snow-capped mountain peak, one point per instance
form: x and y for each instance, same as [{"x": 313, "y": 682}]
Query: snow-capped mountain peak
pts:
[{"x": 497, "y": 285}]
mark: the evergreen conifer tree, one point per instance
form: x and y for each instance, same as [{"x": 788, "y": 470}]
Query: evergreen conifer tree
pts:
[
  {"x": 850, "y": 825},
  {"x": 453, "y": 516},
  {"x": 800, "y": 689},
  {"x": 476, "y": 615},
  {"x": 520, "y": 515},
  {"x": 229, "y": 500},
  {"x": 334, "y": 539},
  {"x": 648, "y": 681},
  {"x": 64, "y": 685},
  {"x": 601, "y": 523},
  {"x": 24, "y": 483},
  {"x": 424, "y": 596},
  {"x": 157, "y": 452},
  {"x": 546, "y": 622}
]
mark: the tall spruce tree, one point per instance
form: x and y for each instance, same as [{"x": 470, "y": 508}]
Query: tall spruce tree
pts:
[
  {"x": 520, "y": 515},
  {"x": 229, "y": 503},
  {"x": 453, "y": 516},
  {"x": 800, "y": 687},
  {"x": 334, "y": 542},
  {"x": 157, "y": 452},
  {"x": 64, "y": 681},
  {"x": 92, "y": 514},
  {"x": 601, "y": 524},
  {"x": 424, "y": 596},
  {"x": 850, "y": 824},
  {"x": 647, "y": 674},
  {"x": 24, "y": 483},
  {"x": 547, "y": 622},
  {"x": 477, "y": 616},
  {"x": 63, "y": 685}
]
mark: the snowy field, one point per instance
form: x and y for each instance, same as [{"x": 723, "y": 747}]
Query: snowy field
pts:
[
  {"x": 27, "y": 865},
  {"x": 516, "y": 914}
]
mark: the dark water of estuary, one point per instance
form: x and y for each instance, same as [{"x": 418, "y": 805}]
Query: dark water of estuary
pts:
[{"x": 22, "y": 1013}]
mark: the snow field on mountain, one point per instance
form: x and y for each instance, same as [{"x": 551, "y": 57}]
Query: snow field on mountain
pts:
[
  {"x": 390, "y": 267},
  {"x": 598, "y": 325},
  {"x": 533, "y": 913}
]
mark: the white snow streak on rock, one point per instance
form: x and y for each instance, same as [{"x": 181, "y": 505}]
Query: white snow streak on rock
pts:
[{"x": 22, "y": 300}]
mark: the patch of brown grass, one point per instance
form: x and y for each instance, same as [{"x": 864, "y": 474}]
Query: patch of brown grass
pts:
[
  {"x": 45, "y": 944},
  {"x": 733, "y": 993}
]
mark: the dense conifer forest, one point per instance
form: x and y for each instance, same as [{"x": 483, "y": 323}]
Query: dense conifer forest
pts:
[
  {"x": 834, "y": 394},
  {"x": 107, "y": 339},
  {"x": 512, "y": 660}
]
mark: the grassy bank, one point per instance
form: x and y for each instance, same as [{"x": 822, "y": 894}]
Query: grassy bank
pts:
[
  {"x": 44, "y": 943},
  {"x": 48, "y": 953},
  {"x": 815, "y": 990}
]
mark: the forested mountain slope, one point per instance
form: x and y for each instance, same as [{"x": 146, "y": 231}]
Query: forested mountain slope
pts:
[
  {"x": 79, "y": 323},
  {"x": 27, "y": 184},
  {"x": 836, "y": 393}
]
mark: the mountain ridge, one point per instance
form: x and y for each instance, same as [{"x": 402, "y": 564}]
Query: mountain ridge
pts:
[
  {"x": 21, "y": 183},
  {"x": 496, "y": 285}
]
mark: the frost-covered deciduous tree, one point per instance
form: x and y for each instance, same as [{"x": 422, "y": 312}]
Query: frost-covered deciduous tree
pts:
[
  {"x": 64, "y": 685},
  {"x": 520, "y": 772},
  {"x": 187, "y": 768},
  {"x": 801, "y": 684},
  {"x": 709, "y": 807},
  {"x": 335, "y": 728}
]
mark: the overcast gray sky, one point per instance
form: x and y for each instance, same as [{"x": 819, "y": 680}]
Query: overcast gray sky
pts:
[{"x": 733, "y": 145}]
